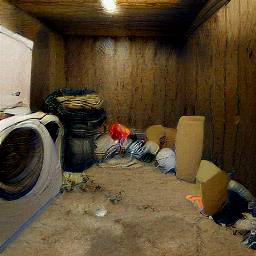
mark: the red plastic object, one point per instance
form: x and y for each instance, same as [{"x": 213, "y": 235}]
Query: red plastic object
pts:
[{"x": 119, "y": 132}]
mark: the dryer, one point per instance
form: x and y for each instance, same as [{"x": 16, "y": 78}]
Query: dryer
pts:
[
  {"x": 30, "y": 170},
  {"x": 30, "y": 144}
]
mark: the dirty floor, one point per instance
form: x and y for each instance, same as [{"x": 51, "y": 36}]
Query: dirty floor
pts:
[{"x": 152, "y": 219}]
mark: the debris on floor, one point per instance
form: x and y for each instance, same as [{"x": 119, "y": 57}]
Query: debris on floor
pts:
[
  {"x": 106, "y": 148},
  {"x": 79, "y": 181},
  {"x": 84, "y": 183},
  {"x": 166, "y": 160},
  {"x": 211, "y": 188},
  {"x": 116, "y": 198},
  {"x": 250, "y": 241},
  {"x": 137, "y": 134},
  {"x": 163, "y": 136},
  {"x": 101, "y": 212},
  {"x": 216, "y": 196},
  {"x": 176, "y": 151},
  {"x": 121, "y": 162},
  {"x": 226, "y": 202},
  {"x": 130, "y": 148},
  {"x": 150, "y": 220},
  {"x": 246, "y": 223},
  {"x": 197, "y": 201},
  {"x": 147, "y": 207}
]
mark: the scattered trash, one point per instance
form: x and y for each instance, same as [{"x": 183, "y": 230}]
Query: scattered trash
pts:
[
  {"x": 147, "y": 207},
  {"x": 119, "y": 132},
  {"x": 241, "y": 190},
  {"x": 247, "y": 223},
  {"x": 106, "y": 148},
  {"x": 86, "y": 212},
  {"x": 164, "y": 137},
  {"x": 79, "y": 181},
  {"x": 137, "y": 135},
  {"x": 240, "y": 201},
  {"x": 115, "y": 199},
  {"x": 227, "y": 203},
  {"x": 121, "y": 162},
  {"x": 101, "y": 212},
  {"x": 156, "y": 133},
  {"x": 250, "y": 242},
  {"x": 166, "y": 160},
  {"x": 197, "y": 201},
  {"x": 142, "y": 151},
  {"x": 150, "y": 150},
  {"x": 150, "y": 147},
  {"x": 135, "y": 149},
  {"x": 212, "y": 187},
  {"x": 252, "y": 207},
  {"x": 124, "y": 142},
  {"x": 233, "y": 209}
]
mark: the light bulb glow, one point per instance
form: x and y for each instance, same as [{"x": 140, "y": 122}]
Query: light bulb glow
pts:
[{"x": 109, "y": 5}]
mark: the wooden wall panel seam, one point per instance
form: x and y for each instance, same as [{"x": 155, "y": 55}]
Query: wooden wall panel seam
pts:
[{"x": 210, "y": 8}]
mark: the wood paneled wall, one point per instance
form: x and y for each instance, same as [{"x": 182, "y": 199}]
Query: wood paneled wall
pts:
[
  {"x": 149, "y": 81},
  {"x": 136, "y": 77},
  {"x": 219, "y": 65},
  {"x": 48, "y": 53}
]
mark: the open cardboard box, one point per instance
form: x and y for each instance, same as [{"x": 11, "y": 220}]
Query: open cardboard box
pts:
[{"x": 211, "y": 185}]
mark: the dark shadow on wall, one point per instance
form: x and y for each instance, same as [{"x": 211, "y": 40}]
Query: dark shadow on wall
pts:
[{"x": 40, "y": 76}]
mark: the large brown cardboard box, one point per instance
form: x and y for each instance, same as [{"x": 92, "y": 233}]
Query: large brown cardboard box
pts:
[
  {"x": 211, "y": 185},
  {"x": 189, "y": 146}
]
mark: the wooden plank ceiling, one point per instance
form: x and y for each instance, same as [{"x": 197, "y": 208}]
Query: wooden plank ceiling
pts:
[{"x": 131, "y": 18}]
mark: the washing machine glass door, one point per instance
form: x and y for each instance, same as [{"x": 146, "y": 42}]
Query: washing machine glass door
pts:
[{"x": 21, "y": 154}]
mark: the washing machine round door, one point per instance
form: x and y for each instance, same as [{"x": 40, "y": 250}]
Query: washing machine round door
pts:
[{"x": 29, "y": 160}]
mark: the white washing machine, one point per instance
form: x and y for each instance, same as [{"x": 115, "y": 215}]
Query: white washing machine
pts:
[
  {"x": 30, "y": 170},
  {"x": 30, "y": 144}
]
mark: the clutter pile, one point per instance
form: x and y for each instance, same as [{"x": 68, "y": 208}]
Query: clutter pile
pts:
[
  {"x": 160, "y": 145},
  {"x": 82, "y": 114},
  {"x": 239, "y": 213},
  {"x": 173, "y": 151},
  {"x": 225, "y": 201},
  {"x": 128, "y": 148},
  {"x": 85, "y": 143}
]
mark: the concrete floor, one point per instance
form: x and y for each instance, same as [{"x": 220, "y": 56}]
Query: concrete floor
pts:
[{"x": 153, "y": 219}]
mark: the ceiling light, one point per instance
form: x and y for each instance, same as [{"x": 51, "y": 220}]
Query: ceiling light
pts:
[{"x": 109, "y": 5}]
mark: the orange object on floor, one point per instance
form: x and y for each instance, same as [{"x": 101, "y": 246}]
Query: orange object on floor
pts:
[{"x": 196, "y": 199}]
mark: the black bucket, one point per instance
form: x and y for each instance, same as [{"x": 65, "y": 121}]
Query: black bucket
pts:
[{"x": 79, "y": 145}]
